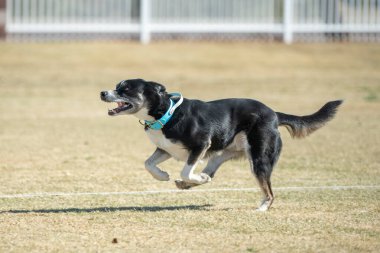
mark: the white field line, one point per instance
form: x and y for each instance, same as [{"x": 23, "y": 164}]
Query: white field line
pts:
[{"x": 169, "y": 191}]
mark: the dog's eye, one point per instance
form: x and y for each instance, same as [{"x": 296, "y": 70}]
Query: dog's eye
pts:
[{"x": 123, "y": 91}]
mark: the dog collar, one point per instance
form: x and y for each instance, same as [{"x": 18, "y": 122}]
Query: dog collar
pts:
[{"x": 160, "y": 123}]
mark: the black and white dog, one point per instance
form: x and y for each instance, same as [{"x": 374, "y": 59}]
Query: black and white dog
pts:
[{"x": 191, "y": 130}]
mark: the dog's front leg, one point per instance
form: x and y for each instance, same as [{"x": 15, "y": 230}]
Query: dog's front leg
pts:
[
  {"x": 157, "y": 157},
  {"x": 190, "y": 179}
]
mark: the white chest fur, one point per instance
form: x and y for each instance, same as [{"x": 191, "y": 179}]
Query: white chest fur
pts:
[{"x": 176, "y": 150}]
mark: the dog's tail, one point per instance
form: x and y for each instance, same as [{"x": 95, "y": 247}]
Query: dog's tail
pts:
[{"x": 302, "y": 126}]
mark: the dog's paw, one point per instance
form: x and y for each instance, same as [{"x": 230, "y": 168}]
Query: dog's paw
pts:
[
  {"x": 262, "y": 208},
  {"x": 265, "y": 204},
  {"x": 161, "y": 176},
  {"x": 205, "y": 178},
  {"x": 183, "y": 185}
]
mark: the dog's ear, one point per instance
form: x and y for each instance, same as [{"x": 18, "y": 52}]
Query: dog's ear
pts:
[{"x": 158, "y": 87}]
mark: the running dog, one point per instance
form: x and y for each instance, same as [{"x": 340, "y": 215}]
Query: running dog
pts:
[{"x": 191, "y": 130}]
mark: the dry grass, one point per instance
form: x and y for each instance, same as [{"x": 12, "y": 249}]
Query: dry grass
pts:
[{"x": 55, "y": 136}]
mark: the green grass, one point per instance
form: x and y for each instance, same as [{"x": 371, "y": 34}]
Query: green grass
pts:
[{"x": 55, "y": 136}]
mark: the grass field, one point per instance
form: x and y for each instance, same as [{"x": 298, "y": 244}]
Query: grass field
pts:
[{"x": 55, "y": 136}]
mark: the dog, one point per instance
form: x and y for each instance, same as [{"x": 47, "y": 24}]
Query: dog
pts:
[{"x": 190, "y": 130}]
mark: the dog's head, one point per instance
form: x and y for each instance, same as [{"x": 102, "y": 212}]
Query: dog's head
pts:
[{"x": 134, "y": 96}]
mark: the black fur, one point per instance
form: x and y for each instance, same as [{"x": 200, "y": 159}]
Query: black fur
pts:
[{"x": 302, "y": 126}]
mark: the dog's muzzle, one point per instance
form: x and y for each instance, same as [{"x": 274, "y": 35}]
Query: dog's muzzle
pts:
[{"x": 121, "y": 105}]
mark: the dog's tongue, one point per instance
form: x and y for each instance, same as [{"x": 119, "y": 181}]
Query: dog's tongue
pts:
[{"x": 119, "y": 108}]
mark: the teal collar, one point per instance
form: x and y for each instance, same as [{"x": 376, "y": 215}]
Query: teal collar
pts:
[{"x": 160, "y": 123}]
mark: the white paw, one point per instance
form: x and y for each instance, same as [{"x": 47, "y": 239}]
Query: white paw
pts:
[
  {"x": 265, "y": 204},
  {"x": 161, "y": 176},
  {"x": 262, "y": 208},
  {"x": 205, "y": 178}
]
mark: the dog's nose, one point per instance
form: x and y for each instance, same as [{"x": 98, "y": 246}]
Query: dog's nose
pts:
[{"x": 103, "y": 94}]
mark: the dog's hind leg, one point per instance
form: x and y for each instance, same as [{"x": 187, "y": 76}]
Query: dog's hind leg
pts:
[
  {"x": 157, "y": 157},
  {"x": 216, "y": 161},
  {"x": 189, "y": 178},
  {"x": 265, "y": 148}
]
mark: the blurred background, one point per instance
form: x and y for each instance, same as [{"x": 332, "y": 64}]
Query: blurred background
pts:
[
  {"x": 293, "y": 55},
  {"x": 146, "y": 20}
]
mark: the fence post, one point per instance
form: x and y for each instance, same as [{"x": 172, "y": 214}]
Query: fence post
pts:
[
  {"x": 288, "y": 21},
  {"x": 145, "y": 13},
  {"x": 8, "y": 15}
]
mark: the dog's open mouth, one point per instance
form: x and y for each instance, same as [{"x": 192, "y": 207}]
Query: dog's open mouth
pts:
[{"x": 121, "y": 106}]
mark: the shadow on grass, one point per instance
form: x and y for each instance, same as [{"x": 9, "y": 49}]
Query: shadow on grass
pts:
[{"x": 113, "y": 209}]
